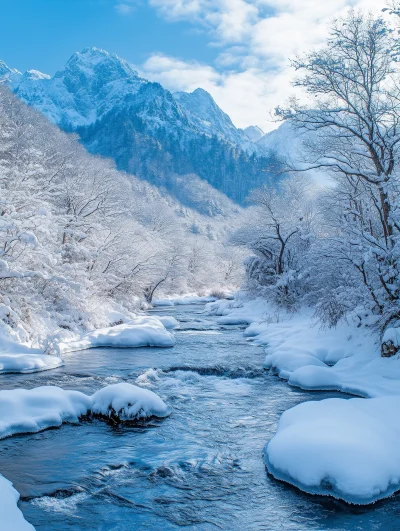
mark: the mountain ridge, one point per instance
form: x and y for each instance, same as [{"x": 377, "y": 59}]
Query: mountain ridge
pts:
[{"x": 146, "y": 129}]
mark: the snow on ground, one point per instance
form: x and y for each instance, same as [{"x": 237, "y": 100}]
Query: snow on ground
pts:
[
  {"x": 344, "y": 448},
  {"x": 11, "y": 517},
  {"x": 138, "y": 331},
  {"x": 141, "y": 331},
  {"x": 348, "y": 449},
  {"x": 345, "y": 358},
  {"x": 18, "y": 357},
  {"x": 190, "y": 298},
  {"x": 168, "y": 321},
  {"x": 30, "y": 411}
]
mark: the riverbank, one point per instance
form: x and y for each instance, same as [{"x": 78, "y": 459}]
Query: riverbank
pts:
[
  {"x": 321, "y": 451},
  {"x": 201, "y": 468}
]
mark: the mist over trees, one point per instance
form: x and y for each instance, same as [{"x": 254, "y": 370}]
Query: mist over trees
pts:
[{"x": 338, "y": 249}]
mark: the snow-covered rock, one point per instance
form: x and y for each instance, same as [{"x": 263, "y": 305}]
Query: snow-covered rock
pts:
[
  {"x": 390, "y": 342},
  {"x": 34, "y": 410},
  {"x": 205, "y": 115},
  {"x": 89, "y": 85},
  {"x": 142, "y": 331},
  {"x": 168, "y": 321},
  {"x": 349, "y": 449},
  {"x": 30, "y": 411},
  {"x": 128, "y": 402}
]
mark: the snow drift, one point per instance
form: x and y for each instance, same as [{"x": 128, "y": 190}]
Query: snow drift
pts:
[
  {"x": 11, "y": 517},
  {"x": 142, "y": 331},
  {"x": 30, "y": 411},
  {"x": 348, "y": 449},
  {"x": 18, "y": 357}
]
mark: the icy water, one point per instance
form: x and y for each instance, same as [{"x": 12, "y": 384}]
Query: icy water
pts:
[{"x": 200, "y": 469}]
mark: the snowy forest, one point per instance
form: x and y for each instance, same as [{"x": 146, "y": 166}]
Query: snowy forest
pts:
[{"x": 201, "y": 303}]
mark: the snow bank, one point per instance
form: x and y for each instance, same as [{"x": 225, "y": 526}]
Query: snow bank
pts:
[
  {"x": 17, "y": 357},
  {"x": 345, "y": 358},
  {"x": 142, "y": 331},
  {"x": 348, "y": 449},
  {"x": 184, "y": 299},
  {"x": 25, "y": 363},
  {"x": 168, "y": 321},
  {"x": 11, "y": 517},
  {"x": 30, "y": 411}
]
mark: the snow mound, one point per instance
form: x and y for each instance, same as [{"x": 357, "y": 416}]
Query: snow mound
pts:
[
  {"x": 169, "y": 322},
  {"x": 128, "y": 402},
  {"x": 184, "y": 299},
  {"x": 142, "y": 331},
  {"x": 348, "y": 449},
  {"x": 15, "y": 356},
  {"x": 30, "y": 411},
  {"x": 11, "y": 517},
  {"x": 25, "y": 363}
]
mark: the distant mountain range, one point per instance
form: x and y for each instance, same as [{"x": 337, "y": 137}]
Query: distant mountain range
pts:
[{"x": 165, "y": 138}]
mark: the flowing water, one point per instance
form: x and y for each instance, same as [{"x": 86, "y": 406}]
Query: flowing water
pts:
[{"x": 199, "y": 469}]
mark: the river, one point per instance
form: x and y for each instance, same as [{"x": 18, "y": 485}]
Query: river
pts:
[{"x": 199, "y": 469}]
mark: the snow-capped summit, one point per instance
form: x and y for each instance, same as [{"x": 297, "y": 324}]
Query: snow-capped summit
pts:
[
  {"x": 205, "y": 115},
  {"x": 146, "y": 129},
  {"x": 7, "y": 73},
  {"x": 95, "y": 62},
  {"x": 86, "y": 88},
  {"x": 254, "y": 133},
  {"x": 35, "y": 74}
]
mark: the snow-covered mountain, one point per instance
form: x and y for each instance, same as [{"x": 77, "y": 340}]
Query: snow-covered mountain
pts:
[
  {"x": 287, "y": 145},
  {"x": 89, "y": 86},
  {"x": 205, "y": 116},
  {"x": 145, "y": 128},
  {"x": 254, "y": 133}
]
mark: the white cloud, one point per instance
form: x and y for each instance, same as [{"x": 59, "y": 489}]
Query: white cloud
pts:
[
  {"x": 257, "y": 39},
  {"x": 246, "y": 96},
  {"x": 124, "y": 9}
]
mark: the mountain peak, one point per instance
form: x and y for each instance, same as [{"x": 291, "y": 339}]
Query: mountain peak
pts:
[
  {"x": 35, "y": 74},
  {"x": 97, "y": 62},
  {"x": 5, "y": 70},
  {"x": 254, "y": 133}
]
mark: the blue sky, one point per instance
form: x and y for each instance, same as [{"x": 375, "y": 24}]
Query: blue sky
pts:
[
  {"x": 238, "y": 50},
  {"x": 43, "y": 34}
]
